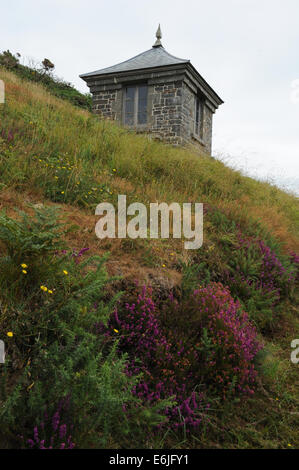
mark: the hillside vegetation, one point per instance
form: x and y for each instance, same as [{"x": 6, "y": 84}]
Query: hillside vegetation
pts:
[
  {"x": 138, "y": 343},
  {"x": 43, "y": 74}
]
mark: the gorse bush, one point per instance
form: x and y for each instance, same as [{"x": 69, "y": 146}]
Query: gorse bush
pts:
[
  {"x": 49, "y": 303},
  {"x": 29, "y": 246}
]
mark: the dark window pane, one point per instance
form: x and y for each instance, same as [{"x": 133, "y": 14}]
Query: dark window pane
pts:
[
  {"x": 130, "y": 105},
  {"x": 142, "y": 104}
]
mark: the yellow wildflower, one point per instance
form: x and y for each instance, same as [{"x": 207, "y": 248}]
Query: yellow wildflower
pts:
[
  {"x": 44, "y": 288},
  {"x": 24, "y": 266},
  {"x": 116, "y": 331},
  {"x": 10, "y": 334},
  {"x": 50, "y": 291},
  {"x": 24, "y": 271},
  {"x": 65, "y": 272}
]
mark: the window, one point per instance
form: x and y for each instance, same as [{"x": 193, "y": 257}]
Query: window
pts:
[
  {"x": 199, "y": 117},
  {"x": 135, "y": 106}
]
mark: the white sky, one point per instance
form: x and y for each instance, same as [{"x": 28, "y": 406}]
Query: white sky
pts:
[{"x": 247, "y": 50}]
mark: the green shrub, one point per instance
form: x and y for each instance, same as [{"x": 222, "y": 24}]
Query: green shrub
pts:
[
  {"x": 55, "y": 353},
  {"x": 56, "y": 86}
]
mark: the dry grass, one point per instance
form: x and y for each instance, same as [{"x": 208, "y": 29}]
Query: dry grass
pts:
[{"x": 46, "y": 126}]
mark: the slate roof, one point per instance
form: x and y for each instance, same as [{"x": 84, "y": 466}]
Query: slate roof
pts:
[{"x": 154, "y": 57}]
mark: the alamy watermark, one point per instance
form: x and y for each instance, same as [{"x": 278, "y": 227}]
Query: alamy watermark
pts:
[
  {"x": 2, "y": 352},
  {"x": 295, "y": 353},
  {"x": 148, "y": 224},
  {"x": 2, "y": 92}
]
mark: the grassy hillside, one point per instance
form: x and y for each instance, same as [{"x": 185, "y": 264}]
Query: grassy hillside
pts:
[
  {"x": 208, "y": 365},
  {"x": 43, "y": 74}
]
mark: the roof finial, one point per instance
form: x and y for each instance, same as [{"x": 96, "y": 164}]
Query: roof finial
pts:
[{"x": 158, "y": 36}]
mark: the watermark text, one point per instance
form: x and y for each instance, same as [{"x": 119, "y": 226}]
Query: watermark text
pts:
[
  {"x": 2, "y": 92},
  {"x": 295, "y": 353},
  {"x": 2, "y": 352},
  {"x": 186, "y": 221}
]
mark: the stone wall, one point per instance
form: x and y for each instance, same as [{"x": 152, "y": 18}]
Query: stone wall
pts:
[
  {"x": 103, "y": 103},
  {"x": 166, "y": 116},
  {"x": 171, "y": 113},
  {"x": 207, "y": 128},
  {"x": 171, "y": 106},
  {"x": 188, "y": 114},
  {"x": 203, "y": 141}
]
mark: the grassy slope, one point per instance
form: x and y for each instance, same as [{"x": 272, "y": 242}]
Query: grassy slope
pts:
[
  {"x": 54, "y": 85},
  {"x": 99, "y": 160}
]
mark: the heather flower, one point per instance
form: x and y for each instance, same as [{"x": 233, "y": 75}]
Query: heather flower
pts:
[
  {"x": 78, "y": 255},
  {"x": 173, "y": 363},
  {"x": 50, "y": 434},
  {"x": 62, "y": 431},
  {"x": 55, "y": 421}
]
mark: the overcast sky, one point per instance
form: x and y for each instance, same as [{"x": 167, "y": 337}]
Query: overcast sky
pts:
[{"x": 247, "y": 50}]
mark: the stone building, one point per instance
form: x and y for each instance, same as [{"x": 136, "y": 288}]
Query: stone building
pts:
[{"x": 157, "y": 93}]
